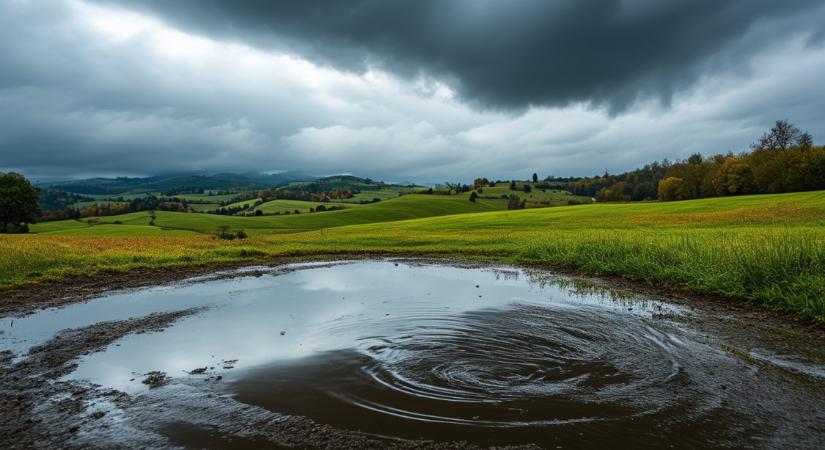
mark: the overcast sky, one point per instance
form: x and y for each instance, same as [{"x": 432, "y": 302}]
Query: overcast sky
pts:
[{"x": 417, "y": 90}]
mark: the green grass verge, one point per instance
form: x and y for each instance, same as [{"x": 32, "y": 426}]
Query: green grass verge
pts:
[{"x": 768, "y": 249}]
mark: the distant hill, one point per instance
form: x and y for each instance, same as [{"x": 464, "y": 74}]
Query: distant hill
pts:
[
  {"x": 337, "y": 182},
  {"x": 177, "y": 183}
]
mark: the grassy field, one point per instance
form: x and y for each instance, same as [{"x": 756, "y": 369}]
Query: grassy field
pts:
[
  {"x": 536, "y": 198},
  {"x": 384, "y": 194},
  {"x": 402, "y": 208},
  {"x": 284, "y": 206},
  {"x": 768, "y": 249}
]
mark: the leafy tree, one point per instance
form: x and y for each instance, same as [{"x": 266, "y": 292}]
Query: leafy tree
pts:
[
  {"x": 528, "y": 188},
  {"x": 782, "y": 136},
  {"x": 735, "y": 177},
  {"x": 535, "y": 178},
  {"x": 18, "y": 202},
  {"x": 670, "y": 188},
  {"x": 806, "y": 141},
  {"x": 513, "y": 186},
  {"x": 514, "y": 202},
  {"x": 473, "y": 196},
  {"x": 480, "y": 182}
]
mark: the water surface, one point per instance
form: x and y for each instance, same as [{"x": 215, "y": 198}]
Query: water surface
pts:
[{"x": 486, "y": 355}]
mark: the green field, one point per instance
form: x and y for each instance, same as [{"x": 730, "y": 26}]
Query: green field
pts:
[
  {"x": 207, "y": 198},
  {"x": 385, "y": 193},
  {"x": 402, "y": 208},
  {"x": 537, "y": 198},
  {"x": 204, "y": 207},
  {"x": 290, "y": 206},
  {"x": 82, "y": 205},
  {"x": 768, "y": 249}
]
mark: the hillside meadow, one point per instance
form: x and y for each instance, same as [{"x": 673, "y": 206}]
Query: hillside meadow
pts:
[{"x": 769, "y": 249}]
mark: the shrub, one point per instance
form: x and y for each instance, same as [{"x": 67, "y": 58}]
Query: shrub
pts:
[
  {"x": 241, "y": 234},
  {"x": 514, "y": 202}
]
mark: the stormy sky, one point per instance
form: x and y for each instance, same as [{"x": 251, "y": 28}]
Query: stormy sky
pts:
[{"x": 420, "y": 90}]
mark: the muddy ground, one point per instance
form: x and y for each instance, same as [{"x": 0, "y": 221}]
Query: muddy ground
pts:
[{"x": 39, "y": 410}]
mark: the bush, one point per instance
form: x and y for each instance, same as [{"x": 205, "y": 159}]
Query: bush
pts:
[
  {"x": 514, "y": 202},
  {"x": 258, "y": 212},
  {"x": 241, "y": 234},
  {"x": 223, "y": 233}
]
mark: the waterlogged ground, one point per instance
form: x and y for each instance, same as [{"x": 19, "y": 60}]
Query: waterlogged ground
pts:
[{"x": 403, "y": 354}]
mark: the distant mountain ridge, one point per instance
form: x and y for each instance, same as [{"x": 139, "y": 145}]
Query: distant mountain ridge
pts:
[{"x": 178, "y": 183}]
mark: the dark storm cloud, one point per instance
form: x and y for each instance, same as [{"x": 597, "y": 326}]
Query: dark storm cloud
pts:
[
  {"x": 508, "y": 53},
  {"x": 146, "y": 87}
]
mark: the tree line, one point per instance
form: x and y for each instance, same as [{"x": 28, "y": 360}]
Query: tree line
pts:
[{"x": 784, "y": 159}]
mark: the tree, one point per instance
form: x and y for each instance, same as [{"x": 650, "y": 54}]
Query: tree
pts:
[
  {"x": 513, "y": 186},
  {"x": 535, "y": 178},
  {"x": 528, "y": 188},
  {"x": 806, "y": 141},
  {"x": 258, "y": 212},
  {"x": 473, "y": 196},
  {"x": 782, "y": 136},
  {"x": 670, "y": 189},
  {"x": 514, "y": 202},
  {"x": 735, "y": 177},
  {"x": 480, "y": 182},
  {"x": 18, "y": 202}
]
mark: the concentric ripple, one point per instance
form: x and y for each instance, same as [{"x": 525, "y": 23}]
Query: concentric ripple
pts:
[
  {"x": 508, "y": 374},
  {"x": 526, "y": 366}
]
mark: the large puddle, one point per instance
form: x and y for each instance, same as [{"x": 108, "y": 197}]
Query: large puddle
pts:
[{"x": 484, "y": 355}]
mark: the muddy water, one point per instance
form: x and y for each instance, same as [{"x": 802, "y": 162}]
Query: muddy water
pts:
[{"x": 490, "y": 356}]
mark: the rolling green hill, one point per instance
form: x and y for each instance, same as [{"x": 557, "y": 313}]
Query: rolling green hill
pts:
[
  {"x": 290, "y": 206},
  {"x": 536, "y": 198},
  {"x": 768, "y": 249},
  {"x": 402, "y": 208}
]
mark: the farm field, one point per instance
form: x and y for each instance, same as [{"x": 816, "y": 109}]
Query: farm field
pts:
[
  {"x": 385, "y": 193},
  {"x": 768, "y": 249},
  {"x": 536, "y": 198},
  {"x": 403, "y": 208},
  {"x": 280, "y": 206}
]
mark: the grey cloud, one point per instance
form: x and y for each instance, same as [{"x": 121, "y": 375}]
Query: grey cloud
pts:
[
  {"x": 509, "y": 54},
  {"x": 74, "y": 101}
]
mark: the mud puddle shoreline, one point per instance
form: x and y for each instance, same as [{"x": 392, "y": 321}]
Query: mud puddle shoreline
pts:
[{"x": 40, "y": 408}]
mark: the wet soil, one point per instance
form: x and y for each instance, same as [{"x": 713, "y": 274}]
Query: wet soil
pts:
[
  {"x": 41, "y": 408},
  {"x": 38, "y": 410}
]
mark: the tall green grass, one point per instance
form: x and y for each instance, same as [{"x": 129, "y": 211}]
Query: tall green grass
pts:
[
  {"x": 783, "y": 269},
  {"x": 767, "y": 249}
]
